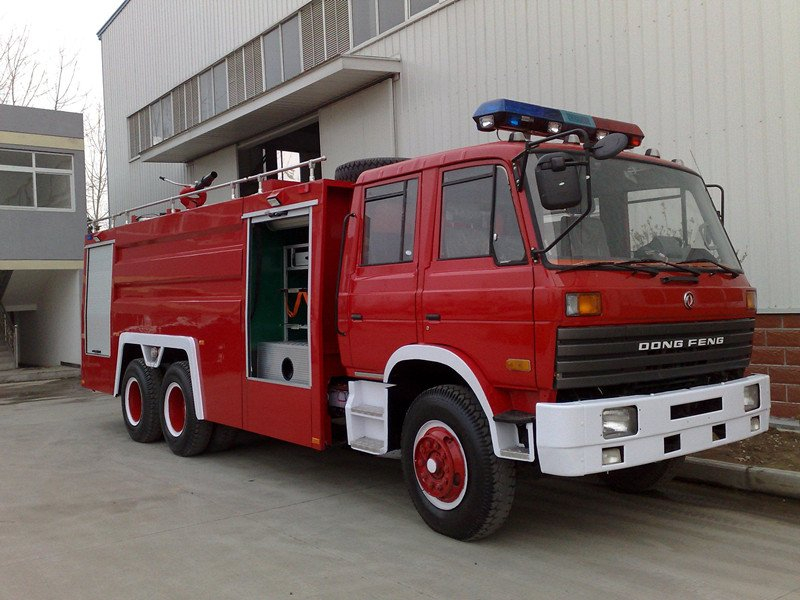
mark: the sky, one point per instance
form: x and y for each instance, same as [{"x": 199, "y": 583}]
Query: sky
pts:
[{"x": 54, "y": 24}]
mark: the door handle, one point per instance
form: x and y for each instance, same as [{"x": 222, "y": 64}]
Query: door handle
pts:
[
  {"x": 433, "y": 317},
  {"x": 357, "y": 317}
]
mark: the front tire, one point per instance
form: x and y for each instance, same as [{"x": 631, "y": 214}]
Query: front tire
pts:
[
  {"x": 141, "y": 386},
  {"x": 458, "y": 486},
  {"x": 185, "y": 434}
]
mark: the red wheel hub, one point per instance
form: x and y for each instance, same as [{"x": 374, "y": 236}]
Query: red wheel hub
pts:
[
  {"x": 439, "y": 464},
  {"x": 176, "y": 412}
]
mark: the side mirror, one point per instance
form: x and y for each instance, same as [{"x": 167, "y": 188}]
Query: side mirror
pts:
[
  {"x": 558, "y": 180},
  {"x": 609, "y": 146}
]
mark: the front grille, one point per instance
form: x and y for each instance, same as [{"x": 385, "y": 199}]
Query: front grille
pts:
[{"x": 655, "y": 357}]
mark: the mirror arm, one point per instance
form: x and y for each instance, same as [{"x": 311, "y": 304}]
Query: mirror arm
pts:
[
  {"x": 721, "y": 211},
  {"x": 585, "y": 138}
]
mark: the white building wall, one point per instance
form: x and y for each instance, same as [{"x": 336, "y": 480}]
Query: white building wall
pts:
[
  {"x": 224, "y": 163},
  {"x": 51, "y": 334},
  {"x": 151, "y": 47},
  {"x": 714, "y": 83},
  {"x": 359, "y": 126}
]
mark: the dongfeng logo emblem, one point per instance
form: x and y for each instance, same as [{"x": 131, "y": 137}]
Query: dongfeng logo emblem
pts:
[{"x": 688, "y": 300}]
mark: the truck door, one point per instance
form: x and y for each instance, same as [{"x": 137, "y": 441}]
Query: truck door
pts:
[
  {"x": 381, "y": 308},
  {"x": 477, "y": 293}
]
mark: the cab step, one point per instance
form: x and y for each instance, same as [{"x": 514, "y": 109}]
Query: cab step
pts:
[{"x": 366, "y": 416}]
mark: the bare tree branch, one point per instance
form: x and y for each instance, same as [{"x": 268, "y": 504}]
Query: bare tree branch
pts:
[
  {"x": 22, "y": 78},
  {"x": 64, "y": 90},
  {"x": 26, "y": 81},
  {"x": 96, "y": 164}
]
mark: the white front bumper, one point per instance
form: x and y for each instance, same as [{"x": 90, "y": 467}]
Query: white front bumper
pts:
[{"x": 569, "y": 436}]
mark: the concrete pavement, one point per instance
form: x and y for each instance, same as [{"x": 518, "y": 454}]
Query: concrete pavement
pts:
[{"x": 86, "y": 513}]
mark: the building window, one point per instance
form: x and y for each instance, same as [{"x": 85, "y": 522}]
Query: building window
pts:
[
  {"x": 373, "y": 17},
  {"x": 478, "y": 217},
  {"x": 290, "y": 39},
  {"x": 161, "y": 119},
  {"x": 390, "y": 14},
  {"x": 282, "y": 53},
  {"x": 365, "y": 20},
  {"x": 415, "y": 6},
  {"x": 36, "y": 180},
  {"x": 213, "y": 91},
  {"x": 390, "y": 215},
  {"x": 273, "y": 66},
  {"x": 220, "y": 87}
]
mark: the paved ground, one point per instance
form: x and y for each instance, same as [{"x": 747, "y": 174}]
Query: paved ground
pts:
[{"x": 86, "y": 513}]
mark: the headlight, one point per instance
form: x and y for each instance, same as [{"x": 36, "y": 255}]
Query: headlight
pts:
[
  {"x": 619, "y": 422},
  {"x": 752, "y": 397}
]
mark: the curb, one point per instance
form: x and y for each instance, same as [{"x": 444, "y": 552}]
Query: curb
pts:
[
  {"x": 38, "y": 374},
  {"x": 741, "y": 477}
]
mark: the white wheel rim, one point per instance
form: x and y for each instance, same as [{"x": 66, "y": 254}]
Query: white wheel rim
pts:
[
  {"x": 431, "y": 467},
  {"x": 169, "y": 417},
  {"x": 128, "y": 412}
]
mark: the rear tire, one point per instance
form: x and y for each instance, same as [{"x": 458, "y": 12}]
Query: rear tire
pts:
[
  {"x": 185, "y": 434},
  {"x": 141, "y": 387},
  {"x": 458, "y": 486},
  {"x": 635, "y": 480},
  {"x": 350, "y": 171}
]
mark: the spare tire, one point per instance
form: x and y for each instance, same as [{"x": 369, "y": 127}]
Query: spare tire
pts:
[{"x": 350, "y": 171}]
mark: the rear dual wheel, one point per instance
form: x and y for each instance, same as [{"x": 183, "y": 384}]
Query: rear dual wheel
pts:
[
  {"x": 141, "y": 388},
  {"x": 185, "y": 434},
  {"x": 458, "y": 485}
]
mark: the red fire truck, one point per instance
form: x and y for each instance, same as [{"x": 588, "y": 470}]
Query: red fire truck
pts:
[{"x": 565, "y": 302}]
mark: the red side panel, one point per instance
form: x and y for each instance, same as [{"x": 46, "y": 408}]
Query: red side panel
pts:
[{"x": 181, "y": 274}]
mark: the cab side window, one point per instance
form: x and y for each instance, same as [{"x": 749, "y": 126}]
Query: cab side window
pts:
[
  {"x": 390, "y": 215},
  {"x": 478, "y": 217}
]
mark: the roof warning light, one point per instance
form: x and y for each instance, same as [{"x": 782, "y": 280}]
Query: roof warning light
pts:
[{"x": 511, "y": 115}]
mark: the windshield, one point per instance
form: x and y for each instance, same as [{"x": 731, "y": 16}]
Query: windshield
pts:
[{"x": 640, "y": 211}]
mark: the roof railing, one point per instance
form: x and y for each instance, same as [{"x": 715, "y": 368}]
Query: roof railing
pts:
[{"x": 235, "y": 187}]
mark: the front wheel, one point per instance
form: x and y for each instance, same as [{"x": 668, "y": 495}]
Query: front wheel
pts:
[
  {"x": 185, "y": 434},
  {"x": 458, "y": 486}
]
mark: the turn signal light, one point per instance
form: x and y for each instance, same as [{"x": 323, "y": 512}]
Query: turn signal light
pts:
[
  {"x": 751, "y": 299},
  {"x": 586, "y": 304}
]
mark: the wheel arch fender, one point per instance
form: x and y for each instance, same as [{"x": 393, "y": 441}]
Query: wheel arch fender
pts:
[
  {"x": 461, "y": 365},
  {"x": 152, "y": 348}
]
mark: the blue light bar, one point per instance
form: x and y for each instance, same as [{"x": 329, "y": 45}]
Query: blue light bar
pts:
[{"x": 511, "y": 115}]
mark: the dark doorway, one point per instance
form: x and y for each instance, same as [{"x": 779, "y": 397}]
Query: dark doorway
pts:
[{"x": 295, "y": 147}]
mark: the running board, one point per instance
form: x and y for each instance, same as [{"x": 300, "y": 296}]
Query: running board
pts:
[{"x": 366, "y": 416}]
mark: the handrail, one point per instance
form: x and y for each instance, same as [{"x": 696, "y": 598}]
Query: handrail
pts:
[
  {"x": 234, "y": 185},
  {"x": 10, "y": 335}
]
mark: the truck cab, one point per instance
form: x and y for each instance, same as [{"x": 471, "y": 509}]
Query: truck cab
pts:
[{"x": 594, "y": 310}]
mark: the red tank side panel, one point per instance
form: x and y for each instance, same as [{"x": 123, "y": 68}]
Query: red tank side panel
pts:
[{"x": 181, "y": 274}]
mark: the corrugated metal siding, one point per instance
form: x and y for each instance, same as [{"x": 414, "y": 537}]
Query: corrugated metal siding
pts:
[
  {"x": 151, "y": 47},
  {"x": 714, "y": 83}
]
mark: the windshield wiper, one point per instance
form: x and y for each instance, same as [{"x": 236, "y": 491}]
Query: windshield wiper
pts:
[
  {"x": 610, "y": 265},
  {"x": 654, "y": 261},
  {"x": 732, "y": 272}
]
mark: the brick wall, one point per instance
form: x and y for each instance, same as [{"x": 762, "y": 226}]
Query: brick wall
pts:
[{"x": 776, "y": 352}]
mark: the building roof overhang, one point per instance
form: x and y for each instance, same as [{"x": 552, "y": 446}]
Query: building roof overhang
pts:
[{"x": 330, "y": 81}]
